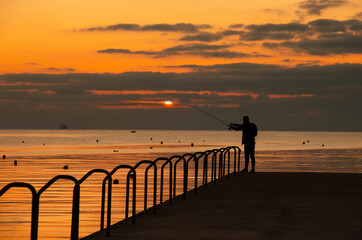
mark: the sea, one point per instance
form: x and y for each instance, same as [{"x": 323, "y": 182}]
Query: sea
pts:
[{"x": 42, "y": 154}]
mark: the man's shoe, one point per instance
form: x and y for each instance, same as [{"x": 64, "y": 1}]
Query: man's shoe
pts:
[
  {"x": 252, "y": 170},
  {"x": 244, "y": 170}
]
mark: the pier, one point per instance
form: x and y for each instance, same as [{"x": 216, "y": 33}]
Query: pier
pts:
[{"x": 256, "y": 206}]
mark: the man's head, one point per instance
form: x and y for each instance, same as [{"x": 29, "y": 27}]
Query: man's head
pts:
[{"x": 246, "y": 119}]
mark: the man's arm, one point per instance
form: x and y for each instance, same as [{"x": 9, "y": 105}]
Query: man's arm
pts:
[{"x": 235, "y": 126}]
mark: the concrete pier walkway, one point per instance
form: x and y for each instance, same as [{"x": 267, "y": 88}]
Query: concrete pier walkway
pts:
[{"x": 288, "y": 206}]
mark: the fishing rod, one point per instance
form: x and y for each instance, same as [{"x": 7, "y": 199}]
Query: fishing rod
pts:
[
  {"x": 208, "y": 114},
  {"x": 168, "y": 103}
]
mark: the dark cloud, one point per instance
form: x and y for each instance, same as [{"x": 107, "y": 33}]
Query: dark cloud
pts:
[
  {"x": 270, "y": 94},
  {"x": 211, "y": 37},
  {"x": 273, "y": 31},
  {"x": 276, "y": 11},
  {"x": 60, "y": 69},
  {"x": 330, "y": 25},
  {"x": 325, "y": 37},
  {"x": 358, "y": 15},
  {"x": 203, "y": 37},
  {"x": 328, "y": 44},
  {"x": 195, "y": 49},
  {"x": 315, "y": 7},
  {"x": 231, "y": 32},
  {"x": 237, "y": 25},
  {"x": 115, "y": 27},
  {"x": 286, "y": 27},
  {"x": 226, "y": 54},
  {"x": 178, "y": 27}
]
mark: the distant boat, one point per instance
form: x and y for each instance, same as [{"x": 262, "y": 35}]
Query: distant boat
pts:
[
  {"x": 63, "y": 126},
  {"x": 133, "y": 131}
]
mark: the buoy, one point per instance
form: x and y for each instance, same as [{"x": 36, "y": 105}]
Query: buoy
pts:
[
  {"x": 115, "y": 181},
  {"x": 4, "y": 156},
  {"x": 15, "y": 163},
  {"x": 151, "y": 139},
  {"x": 97, "y": 140},
  {"x": 179, "y": 141},
  {"x": 322, "y": 145},
  {"x": 161, "y": 142},
  {"x": 151, "y": 147},
  {"x": 308, "y": 141},
  {"x": 22, "y": 142},
  {"x": 65, "y": 167},
  {"x": 303, "y": 142},
  {"x": 43, "y": 144},
  {"x": 192, "y": 144}
]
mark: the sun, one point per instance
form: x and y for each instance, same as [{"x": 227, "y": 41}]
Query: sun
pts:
[{"x": 168, "y": 103}]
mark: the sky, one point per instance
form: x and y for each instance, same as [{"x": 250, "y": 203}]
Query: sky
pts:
[{"x": 107, "y": 64}]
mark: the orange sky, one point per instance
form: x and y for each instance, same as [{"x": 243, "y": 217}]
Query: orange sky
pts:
[
  {"x": 112, "y": 63},
  {"x": 42, "y": 36}
]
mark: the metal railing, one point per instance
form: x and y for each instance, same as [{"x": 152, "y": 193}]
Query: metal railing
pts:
[{"x": 218, "y": 159}]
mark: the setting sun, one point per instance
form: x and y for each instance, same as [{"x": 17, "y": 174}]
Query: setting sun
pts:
[{"x": 168, "y": 103}]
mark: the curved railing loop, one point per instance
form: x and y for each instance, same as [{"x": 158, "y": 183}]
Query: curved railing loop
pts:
[
  {"x": 188, "y": 157},
  {"x": 34, "y": 205},
  {"x": 221, "y": 163},
  {"x": 236, "y": 150},
  {"x": 206, "y": 168},
  {"x": 151, "y": 164},
  {"x": 75, "y": 209},
  {"x": 195, "y": 158},
  {"x": 168, "y": 161},
  {"x": 226, "y": 155},
  {"x": 179, "y": 159},
  {"x": 109, "y": 197},
  {"x": 130, "y": 175},
  {"x": 216, "y": 165}
]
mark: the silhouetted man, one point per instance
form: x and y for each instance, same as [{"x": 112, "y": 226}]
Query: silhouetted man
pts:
[{"x": 250, "y": 131}]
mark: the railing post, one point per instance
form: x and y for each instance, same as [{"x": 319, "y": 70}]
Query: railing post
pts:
[
  {"x": 214, "y": 162},
  {"x": 134, "y": 198},
  {"x": 196, "y": 159},
  {"x": 109, "y": 205},
  {"x": 75, "y": 213},
  {"x": 234, "y": 160},
  {"x": 34, "y": 217},
  {"x": 220, "y": 165}
]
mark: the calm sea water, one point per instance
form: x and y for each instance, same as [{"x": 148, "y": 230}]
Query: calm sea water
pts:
[{"x": 41, "y": 154}]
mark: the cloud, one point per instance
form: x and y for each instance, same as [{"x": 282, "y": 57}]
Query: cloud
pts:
[
  {"x": 315, "y": 7},
  {"x": 203, "y": 37},
  {"x": 358, "y": 15},
  {"x": 331, "y": 25},
  {"x": 127, "y": 100},
  {"x": 286, "y": 27},
  {"x": 178, "y": 27},
  {"x": 273, "y": 31},
  {"x": 31, "y": 63},
  {"x": 60, "y": 69},
  {"x": 279, "y": 12},
  {"x": 115, "y": 27},
  {"x": 237, "y": 25},
  {"x": 326, "y": 37},
  {"x": 328, "y": 44},
  {"x": 195, "y": 49}
]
